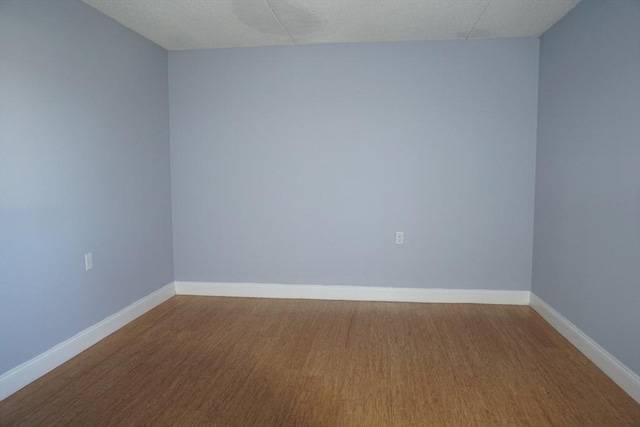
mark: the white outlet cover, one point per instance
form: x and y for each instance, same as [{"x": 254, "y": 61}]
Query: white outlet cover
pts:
[
  {"x": 88, "y": 261},
  {"x": 399, "y": 238}
]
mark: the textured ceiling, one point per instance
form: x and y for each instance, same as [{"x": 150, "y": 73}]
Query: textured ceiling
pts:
[{"x": 205, "y": 24}]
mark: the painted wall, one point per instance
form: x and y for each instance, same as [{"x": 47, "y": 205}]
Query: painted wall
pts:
[
  {"x": 299, "y": 164},
  {"x": 587, "y": 216},
  {"x": 84, "y": 167}
]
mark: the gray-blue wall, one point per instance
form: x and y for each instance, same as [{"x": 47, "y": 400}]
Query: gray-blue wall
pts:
[
  {"x": 84, "y": 167},
  {"x": 587, "y": 216},
  {"x": 298, "y": 164}
]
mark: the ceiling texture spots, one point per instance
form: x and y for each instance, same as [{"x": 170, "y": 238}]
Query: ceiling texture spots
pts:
[{"x": 206, "y": 24}]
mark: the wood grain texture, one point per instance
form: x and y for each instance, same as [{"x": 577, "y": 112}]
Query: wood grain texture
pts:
[{"x": 205, "y": 361}]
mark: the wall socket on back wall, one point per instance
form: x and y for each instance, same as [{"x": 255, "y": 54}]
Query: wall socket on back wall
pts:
[{"x": 399, "y": 238}]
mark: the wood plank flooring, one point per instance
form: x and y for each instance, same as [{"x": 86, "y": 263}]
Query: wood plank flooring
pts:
[{"x": 204, "y": 361}]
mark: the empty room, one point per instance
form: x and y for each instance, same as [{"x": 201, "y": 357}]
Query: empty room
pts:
[{"x": 319, "y": 213}]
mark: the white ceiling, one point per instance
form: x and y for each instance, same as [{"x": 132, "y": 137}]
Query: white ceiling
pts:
[{"x": 206, "y": 24}]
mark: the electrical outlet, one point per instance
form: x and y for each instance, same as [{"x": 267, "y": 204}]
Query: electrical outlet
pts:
[
  {"x": 88, "y": 261},
  {"x": 399, "y": 238}
]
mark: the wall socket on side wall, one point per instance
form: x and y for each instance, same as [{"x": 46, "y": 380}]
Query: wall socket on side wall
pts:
[
  {"x": 88, "y": 261},
  {"x": 399, "y": 238}
]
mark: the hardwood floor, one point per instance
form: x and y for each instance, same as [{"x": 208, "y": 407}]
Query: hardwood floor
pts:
[{"x": 259, "y": 362}]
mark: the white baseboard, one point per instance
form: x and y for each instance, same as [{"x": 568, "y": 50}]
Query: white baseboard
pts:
[
  {"x": 628, "y": 380},
  {"x": 21, "y": 375},
  {"x": 18, "y": 377},
  {"x": 353, "y": 293}
]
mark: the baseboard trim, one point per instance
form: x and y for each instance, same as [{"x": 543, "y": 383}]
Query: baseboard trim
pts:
[
  {"x": 24, "y": 374},
  {"x": 628, "y": 380},
  {"x": 353, "y": 293},
  {"x": 18, "y": 377}
]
